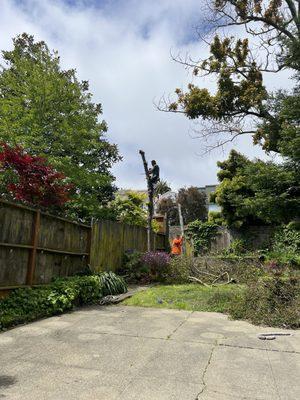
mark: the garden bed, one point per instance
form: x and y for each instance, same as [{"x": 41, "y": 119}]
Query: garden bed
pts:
[{"x": 29, "y": 304}]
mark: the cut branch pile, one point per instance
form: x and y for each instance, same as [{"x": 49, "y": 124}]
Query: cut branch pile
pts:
[{"x": 212, "y": 279}]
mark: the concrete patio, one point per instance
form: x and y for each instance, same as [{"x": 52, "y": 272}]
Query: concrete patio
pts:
[{"x": 119, "y": 352}]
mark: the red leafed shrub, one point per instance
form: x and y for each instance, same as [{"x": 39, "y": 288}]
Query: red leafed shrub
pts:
[{"x": 31, "y": 179}]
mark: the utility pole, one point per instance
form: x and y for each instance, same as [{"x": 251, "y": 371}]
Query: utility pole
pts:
[{"x": 150, "y": 202}]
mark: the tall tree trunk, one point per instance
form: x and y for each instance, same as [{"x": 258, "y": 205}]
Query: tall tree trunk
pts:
[{"x": 150, "y": 202}]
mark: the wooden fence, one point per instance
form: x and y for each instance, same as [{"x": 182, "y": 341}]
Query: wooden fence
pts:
[
  {"x": 36, "y": 247},
  {"x": 110, "y": 240}
]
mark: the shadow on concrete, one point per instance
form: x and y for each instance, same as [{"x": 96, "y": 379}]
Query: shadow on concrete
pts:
[{"x": 6, "y": 380}]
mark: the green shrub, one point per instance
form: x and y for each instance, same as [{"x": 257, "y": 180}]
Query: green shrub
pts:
[
  {"x": 28, "y": 304},
  {"x": 287, "y": 240},
  {"x": 272, "y": 301},
  {"x": 237, "y": 247},
  {"x": 111, "y": 283},
  {"x": 288, "y": 259},
  {"x": 133, "y": 269},
  {"x": 294, "y": 225},
  {"x": 286, "y": 246},
  {"x": 179, "y": 269},
  {"x": 201, "y": 234},
  {"x": 216, "y": 217}
]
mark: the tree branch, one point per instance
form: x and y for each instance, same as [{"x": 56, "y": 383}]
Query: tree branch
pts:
[{"x": 293, "y": 12}]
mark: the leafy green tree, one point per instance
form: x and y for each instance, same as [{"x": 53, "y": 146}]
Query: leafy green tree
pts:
[
  {"x": 256, "y": 192},
  {"x": 130, "y": 209},
  {"x": 230, "y": 167},
  {"x": 289, "y": 115},
  {"x": 241, "y": 103},
  {"x": 49, "y": 112},
  {"x": 193, "y": 204}
]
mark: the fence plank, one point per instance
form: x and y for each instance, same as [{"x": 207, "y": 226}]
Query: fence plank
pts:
[
  {"x": 110, "y": 240},
  {"x": 26, "y": 257},
  {"x": 32, "y": 254}
]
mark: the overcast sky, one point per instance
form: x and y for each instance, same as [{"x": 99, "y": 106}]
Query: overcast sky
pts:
[{"x": 123, "y": 48}]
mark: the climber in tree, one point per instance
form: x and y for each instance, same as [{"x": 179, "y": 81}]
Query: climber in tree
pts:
[
  {"x": 152, "y": 176},
  {"x": 154, "y": 173}
]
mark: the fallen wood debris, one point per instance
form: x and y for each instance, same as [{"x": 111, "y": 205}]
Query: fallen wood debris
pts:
[{"x": 215, "y": 281}]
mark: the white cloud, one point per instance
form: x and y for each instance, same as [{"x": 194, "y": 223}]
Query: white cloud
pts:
[{"x": 123, "y": 49}]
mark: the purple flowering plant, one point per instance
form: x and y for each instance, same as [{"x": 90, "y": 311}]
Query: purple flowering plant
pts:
[{"x": 156, "y": 259}]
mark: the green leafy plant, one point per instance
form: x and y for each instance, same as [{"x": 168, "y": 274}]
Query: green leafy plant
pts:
[
  {"x": 28, "y": 304},
  {"x": 285, "y": 248},
  {"x": 110, "y": 283},
  {"x": 256, "y": 192},
  {"x": 287, "y": 240},
  {"x": 216, "y": 217},
  {"x": 130, "y": 209},
  {"x": 237, "y": 247},
  {"x": 201, "y": 234},
  {"x": 133, "y": 270}
]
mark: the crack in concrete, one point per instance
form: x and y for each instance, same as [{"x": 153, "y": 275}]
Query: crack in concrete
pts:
[
  {"x": 180, "y": 325},
  {"x": 258, "y": 348},
  {"x": 215, "y": 345},
  {"x": 234, "y": 396},
  {"x": 169, "y": 337}
]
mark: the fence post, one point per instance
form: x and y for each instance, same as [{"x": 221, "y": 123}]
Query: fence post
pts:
[
  {"x": 89, "y": 243},
  {"x": 34, "y": 243}
]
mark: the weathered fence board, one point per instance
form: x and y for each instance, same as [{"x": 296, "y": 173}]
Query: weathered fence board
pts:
[
  {"x": 110, "y": 240},
  {"x": 35, "y": 247}
]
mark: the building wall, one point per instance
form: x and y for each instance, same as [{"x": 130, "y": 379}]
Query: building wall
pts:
[{"x": 208, "y": 189}]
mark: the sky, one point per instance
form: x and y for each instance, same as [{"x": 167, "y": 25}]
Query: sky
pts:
[{"x": 123, "y": 48}]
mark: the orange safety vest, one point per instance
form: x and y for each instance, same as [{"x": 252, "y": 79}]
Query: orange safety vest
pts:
[{"x": 177, "y": 246}]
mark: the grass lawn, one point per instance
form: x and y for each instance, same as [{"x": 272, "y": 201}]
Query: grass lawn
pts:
[{"x": 192, "y": 297}]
